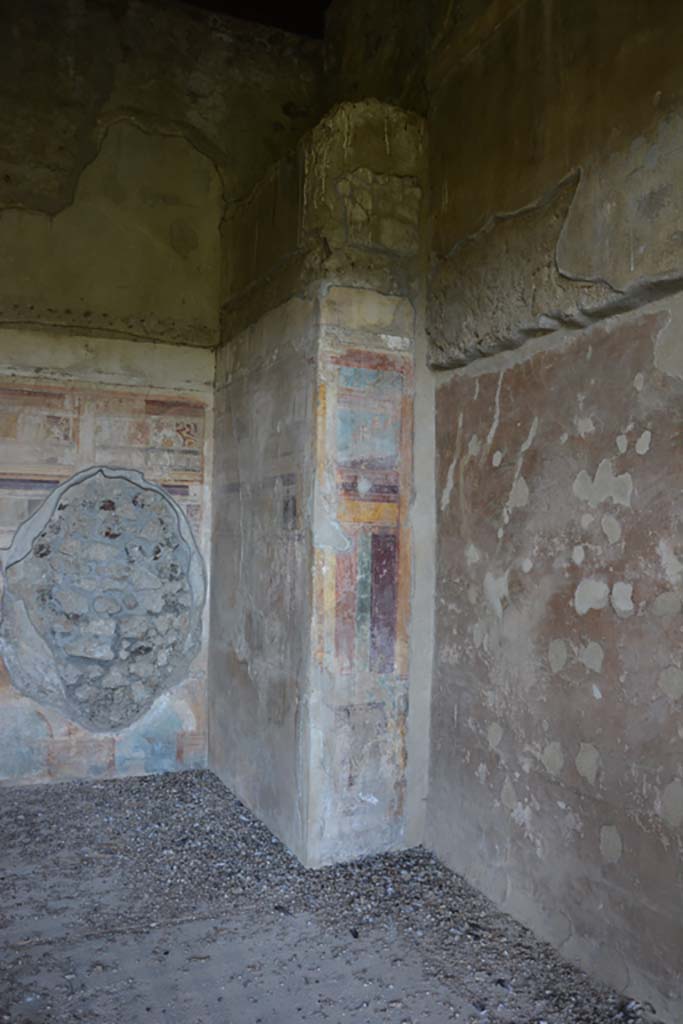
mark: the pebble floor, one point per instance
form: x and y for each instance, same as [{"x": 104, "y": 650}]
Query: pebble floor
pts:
[{"x": 163, "y": 899}]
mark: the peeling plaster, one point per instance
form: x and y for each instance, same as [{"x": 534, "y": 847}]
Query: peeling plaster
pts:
[
  {"x": 604, "y": 487},
  {"x": 553, "y": 757},
  {"x": 673, "y": 567},
  {"x": 643, "y": 442},
  {"x": 496, "y": 591},
  {"x": 611, "y": 527},
  {"x": 668, "y": 603},
  {"x": 622, "y": 599},
  {"x": 588, "y": 762},
  {"x": 672, "y": 803},
  {"x": 592, "y": 656},
  {"x": 557, "y": 655},
  {"x": 611, "y": 846},
  {"x": 591, "y": 594},
  {"x": 669, "y": 351},
  {"x": 495, "y": 735},
  {"x": 671, "y": 682}
]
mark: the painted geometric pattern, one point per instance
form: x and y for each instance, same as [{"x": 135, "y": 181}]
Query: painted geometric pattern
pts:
[{"x": 367, "y": 400}]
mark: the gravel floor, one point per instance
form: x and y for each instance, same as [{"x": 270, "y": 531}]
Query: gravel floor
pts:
[{"x": 164, "y": 899}]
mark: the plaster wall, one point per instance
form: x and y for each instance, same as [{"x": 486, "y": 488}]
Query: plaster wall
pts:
[
  {"x": 555, "y": 759},
  {"x": 556, "y": 783},
  {"x": 69, "y": 403},
  {"x": 261, "y": 600}
]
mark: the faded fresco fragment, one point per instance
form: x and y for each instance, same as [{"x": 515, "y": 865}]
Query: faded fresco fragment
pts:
[
  {"x": 47, "y": 434},
  {"x": 363, "y": 583}
]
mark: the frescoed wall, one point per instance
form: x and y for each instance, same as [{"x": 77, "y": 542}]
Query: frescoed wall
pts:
[
  {"x": 362, "y": 597},
  {"x": 54, "y": 425}
]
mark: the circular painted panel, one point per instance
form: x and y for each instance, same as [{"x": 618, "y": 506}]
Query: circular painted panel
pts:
[{"x": 103, "y": 594}]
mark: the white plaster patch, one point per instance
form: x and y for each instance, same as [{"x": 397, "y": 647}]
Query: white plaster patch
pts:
[
  {"x": 622, "y": 444},
  {"x": 673, "y": 567},
  {"x": 622, "y": 599},
  {"x": 497, "y": 459},
  {"x": 591, "y": 594},
  {"x": 364, "y": 485},
  {"x": 592, "y": 656},
  {"x": 604, "y": 487},
  {"x": 588, "y": 762},
  {"x": 553, "y": 758},
  {"x": 557, "y": 655},
  {"x": 396, "y": 342},
  {"x": 611, "y": 846},
  {"x": 611, "y": 527},
  {"x": 643, "y": 442},
  {"x": 597, "y": 692},
  {"x": 519, "y": 495},
  {"x": 368, "y": 798},
  {"x": 496, "y": 591},
  {"x": 671, "y": 682},
  {"x": 495, "y": 735},
  {"x": 527, "y": 565},
  {"x": 496, "y": 413},
  {"x": 329, "y": 534},
  {"x": 473, "y": 447},
  {"x": 639, "y": 382},
  {"x": 668, "y": 603},
  {"x": 672, "y": 803},
  {"x": 508, "y": 795},
  {"x": 533, "y": 430},
  {"x": 471, "y": 554},
  {"x": 578, "y": 554},
  {"x": 585, "y": 426},
  {"x": 586, "y": 520},
  {"x": 450, "y": 480},
  {"x": 450, "y": 475},
  {"x": 669, "y": 351}
]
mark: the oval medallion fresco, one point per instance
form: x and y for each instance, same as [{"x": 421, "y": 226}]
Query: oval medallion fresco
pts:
[{"x": 104, "y": 588}]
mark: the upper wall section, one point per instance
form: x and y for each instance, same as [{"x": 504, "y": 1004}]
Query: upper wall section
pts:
[
  {"x": 554, "y": 133},
  {"x": 330, "y": 210},
  {"x": 554, "y": 179},
  {"x": 127, "y": 127},
  {"x": 240, "y": 93},
  {"x": 537, "y": 89}
]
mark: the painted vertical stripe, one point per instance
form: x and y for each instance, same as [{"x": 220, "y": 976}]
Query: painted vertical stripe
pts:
[
  {"x": 363, "y": 597},
  {"x": 383, "y": 602}
]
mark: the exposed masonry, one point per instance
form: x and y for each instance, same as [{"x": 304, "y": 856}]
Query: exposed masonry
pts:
[
  {"x": 104, "y": 589},
  {"x": 506, "y": 284}
]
